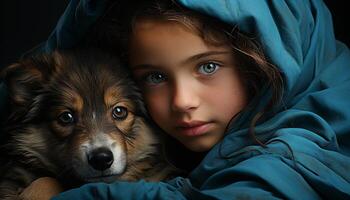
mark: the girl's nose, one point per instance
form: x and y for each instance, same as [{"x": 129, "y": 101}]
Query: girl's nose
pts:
[{"x": 184, "y": 97}]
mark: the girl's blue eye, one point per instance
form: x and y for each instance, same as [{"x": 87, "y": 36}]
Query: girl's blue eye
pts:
[
  {"x": 208, "y": 68},
  {"x": 155, "y": 78}
]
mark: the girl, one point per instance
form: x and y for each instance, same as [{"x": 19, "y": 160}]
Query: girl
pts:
[{"x": 214, "y": 90}]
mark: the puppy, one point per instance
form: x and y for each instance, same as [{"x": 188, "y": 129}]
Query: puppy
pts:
[{"x": 78, "y": 117}]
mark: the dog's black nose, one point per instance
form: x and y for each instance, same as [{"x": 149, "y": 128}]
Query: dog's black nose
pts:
[{"x": 101, "y": 159}]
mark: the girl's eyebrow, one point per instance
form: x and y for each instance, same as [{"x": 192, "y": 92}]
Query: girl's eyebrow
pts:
[
  {"x": 203, "y": 55},
  {"x": 144, "y": 66},
  {"x": 188, "y": 60}
]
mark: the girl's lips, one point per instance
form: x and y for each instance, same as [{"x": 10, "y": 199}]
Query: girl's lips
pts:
[{"x": 194, "y": 128}]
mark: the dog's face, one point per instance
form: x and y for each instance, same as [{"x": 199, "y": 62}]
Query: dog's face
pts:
[{"x": 78, "y": 113}]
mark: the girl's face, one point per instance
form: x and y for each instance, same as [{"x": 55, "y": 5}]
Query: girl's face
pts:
[{"x": 192, "y": 89}]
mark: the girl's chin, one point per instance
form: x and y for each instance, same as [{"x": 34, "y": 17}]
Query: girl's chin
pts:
[{"x": 199, "y": 144}]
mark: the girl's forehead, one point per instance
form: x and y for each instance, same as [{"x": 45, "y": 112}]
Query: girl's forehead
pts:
[
  {"x": 159, "y": 32},
  {"x": 159, "y": 24},
  {"x": 160, "y": 35},
  {"x": 150, "y": 27}
]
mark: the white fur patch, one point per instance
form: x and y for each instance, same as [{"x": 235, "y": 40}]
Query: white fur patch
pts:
[{"x": 87, "y": 172}]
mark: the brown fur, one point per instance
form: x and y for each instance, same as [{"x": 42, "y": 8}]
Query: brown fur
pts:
[{"x": 88, "y": 85}]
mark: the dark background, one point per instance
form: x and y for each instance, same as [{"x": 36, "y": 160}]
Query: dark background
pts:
[{"x": 26, "y": 23}]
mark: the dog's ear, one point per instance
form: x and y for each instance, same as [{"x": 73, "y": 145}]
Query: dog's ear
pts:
[
  {"x": 25, "y": 81},
  {"x": 26, "y": 78}
]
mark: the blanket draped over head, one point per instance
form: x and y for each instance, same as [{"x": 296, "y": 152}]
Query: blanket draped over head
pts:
[{"x": 307, "y": 140}]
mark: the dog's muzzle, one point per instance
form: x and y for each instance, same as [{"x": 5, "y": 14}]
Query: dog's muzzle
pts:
[{"x": 101, "y": 158}]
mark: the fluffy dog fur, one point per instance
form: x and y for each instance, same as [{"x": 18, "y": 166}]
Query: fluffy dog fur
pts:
[{"x": 78, "y": 117}]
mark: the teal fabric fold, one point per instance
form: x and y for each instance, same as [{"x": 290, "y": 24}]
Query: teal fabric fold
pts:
[{"x": 72, "y": 26}]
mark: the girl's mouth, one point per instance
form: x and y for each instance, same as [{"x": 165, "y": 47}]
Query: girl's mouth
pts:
[{"x": 194, "y": 128}]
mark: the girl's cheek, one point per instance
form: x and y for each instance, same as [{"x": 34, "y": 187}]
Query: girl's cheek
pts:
[{"x": 156, "y": 105}]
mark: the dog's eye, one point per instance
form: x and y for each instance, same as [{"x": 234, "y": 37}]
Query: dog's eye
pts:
[
  {"x": 119, "y": 113},
  {"x": 66, "y": 118}
]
